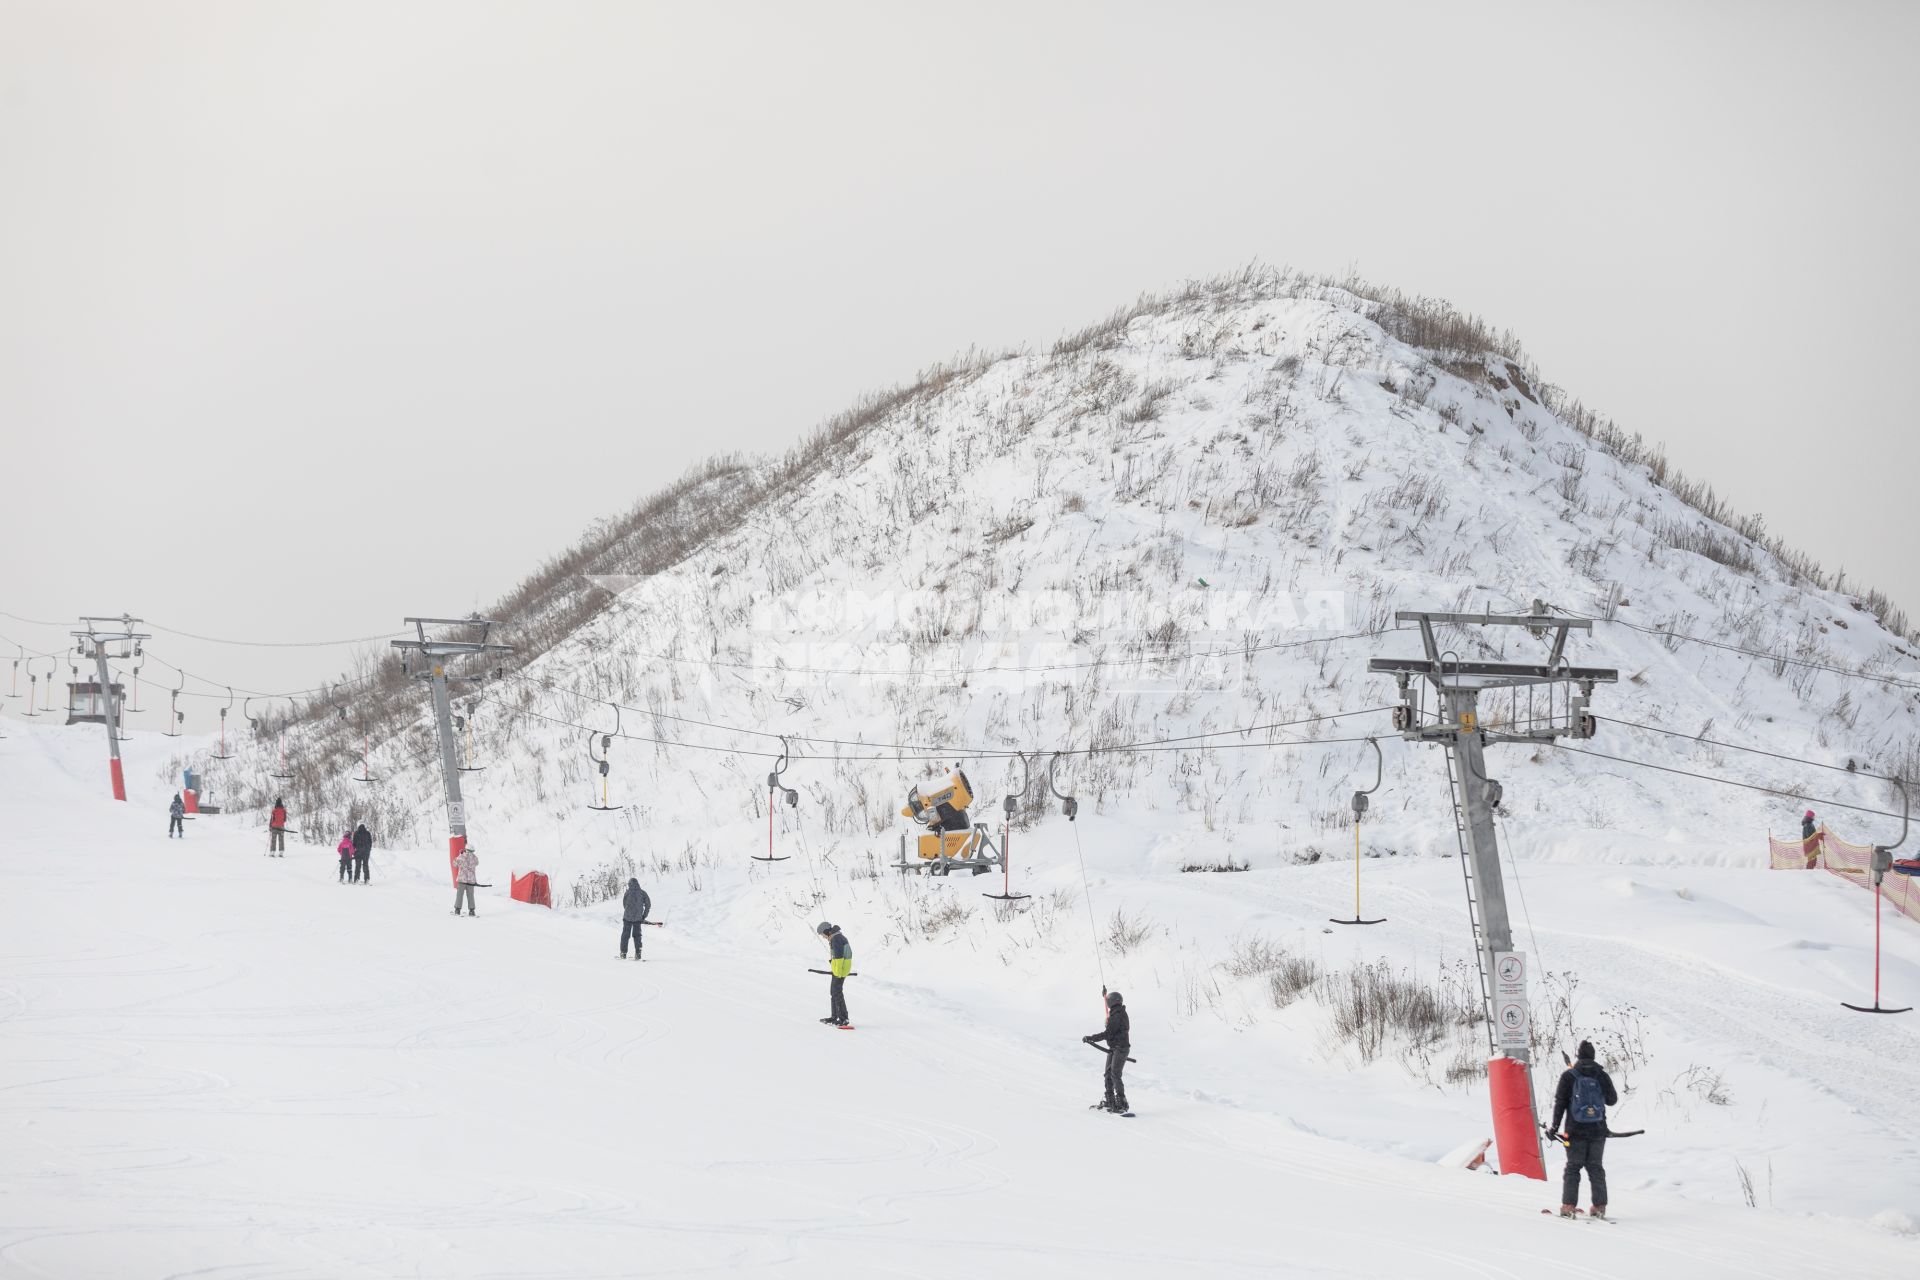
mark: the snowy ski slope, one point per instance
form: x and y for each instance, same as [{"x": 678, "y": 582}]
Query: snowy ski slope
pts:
[{"x": 216, "y": 1063}]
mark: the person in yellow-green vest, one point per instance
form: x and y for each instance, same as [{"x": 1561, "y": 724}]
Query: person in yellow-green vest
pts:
[{"x": 840, "y": 964}]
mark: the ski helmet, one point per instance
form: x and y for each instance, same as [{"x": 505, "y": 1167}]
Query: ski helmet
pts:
[
  {"x": 823, "y": 928},
  {"x": 1113, "y": 998}
]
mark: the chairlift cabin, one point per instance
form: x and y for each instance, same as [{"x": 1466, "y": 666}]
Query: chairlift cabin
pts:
[{"x": 86, "y": 704}]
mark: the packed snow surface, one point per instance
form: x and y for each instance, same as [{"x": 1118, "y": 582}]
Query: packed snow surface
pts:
[{"x": 213, "y": 1062}]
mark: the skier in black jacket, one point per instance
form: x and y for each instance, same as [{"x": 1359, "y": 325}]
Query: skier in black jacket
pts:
[
  {"x": 1583, "y": 1088},
  {"x": 362, "y": 850},
  {"x": 634, "y": 907},
  {"x": 1118, "y": 1038}
]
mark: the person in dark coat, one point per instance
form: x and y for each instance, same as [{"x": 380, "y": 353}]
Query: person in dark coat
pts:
[
  {"x": 635, "y": 906},
  {"x": 839, "y": 964},
  {"x": 1583, "y": 1086},
  {"x": 277, "y": 828},
  {"x": 177, "y": 818},
  {"x": 1810, "y": 839},
  {"x": 1118, "y": 1038},
  {"x": 362, "y": 850}
]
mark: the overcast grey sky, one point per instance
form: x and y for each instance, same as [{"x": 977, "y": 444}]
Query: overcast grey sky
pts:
[{"x": 313, "y": 315}]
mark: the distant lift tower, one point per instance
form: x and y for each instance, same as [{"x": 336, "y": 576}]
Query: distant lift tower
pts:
[
  {"x": 1542, "y": 705},
  {"x": 434, "y": 652},
  {"x": 102, "y": 638}
]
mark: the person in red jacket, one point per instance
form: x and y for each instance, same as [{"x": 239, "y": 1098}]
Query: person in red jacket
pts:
[{"x": 277, "y": 829}]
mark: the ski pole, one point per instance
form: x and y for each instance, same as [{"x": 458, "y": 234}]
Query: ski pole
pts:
[
  {"x": 1102, "y": 1048},
  {"x": 829, "y": 973},
  {"x": 654, "y": 924}
]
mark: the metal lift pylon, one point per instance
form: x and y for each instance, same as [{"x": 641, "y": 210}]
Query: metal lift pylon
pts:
[{"x": 1460, "y": 732}]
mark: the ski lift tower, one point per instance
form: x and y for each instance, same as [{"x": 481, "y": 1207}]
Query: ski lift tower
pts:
[
  {"x": 434, "y": 652},
  {"x": 1545, "y": 701},
  {"x": 102, "y": 638}
]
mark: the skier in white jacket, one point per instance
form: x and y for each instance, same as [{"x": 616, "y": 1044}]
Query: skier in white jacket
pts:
[{"x": 465, "y": 869}]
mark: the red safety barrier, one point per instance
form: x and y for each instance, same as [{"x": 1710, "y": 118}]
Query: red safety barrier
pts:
[
  {"x": 1514, "y": 1134},
  {"x": 531, "y": 887},
  {"x": 1851, "y": 862},
  {"x": 191, "y": 799},
  {"x": 456, "y": 845}
]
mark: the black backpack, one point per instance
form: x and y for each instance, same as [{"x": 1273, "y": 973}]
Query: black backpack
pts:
[{"x": 1589, "y": 1100}]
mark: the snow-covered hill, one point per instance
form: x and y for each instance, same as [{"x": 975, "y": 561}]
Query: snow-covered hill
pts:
[
  {"x": 1172, "y": 524},
  {"x": 1193, "y": 519}
]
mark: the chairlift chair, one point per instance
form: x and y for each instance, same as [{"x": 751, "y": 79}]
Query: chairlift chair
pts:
[
  {"x": 465, "y": 723},
  {"x": 1881, "y": 864},
  {"x": 792, "y": 796},
  {"x": 15, "y": 694},
  {"x": 601, "y": 763},
  {"x": 1007, "y": 807},
  {"x": 280, "y": 770},
  {"x": 1359, "y": 811},
  {"x": 222, "y": 753},
  {"x": 366, "y": 756},
  {"x": 140, "y": 661},
  {"x": 176, "y": 717}
]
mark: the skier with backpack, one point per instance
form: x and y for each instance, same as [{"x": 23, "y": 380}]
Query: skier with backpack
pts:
[
  {"x": 634, "y": 908},
  {"x": 1118, "y": 1038},
  {"x": 839, "y": 965},
  {"x": 1583, "y": 1096},
  {"x": 277, "y": 829}
]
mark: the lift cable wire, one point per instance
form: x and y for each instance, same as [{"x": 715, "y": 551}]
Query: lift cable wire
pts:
[
  {"x": 1033, "y": 668},
  {"x": 1771, "y": 655},
  {"x": 1734, "y": 746},
  {"x": 1725, "y": 782}
]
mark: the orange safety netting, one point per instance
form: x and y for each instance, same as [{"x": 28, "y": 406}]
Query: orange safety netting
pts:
[{"x": 1853, "y": 862}]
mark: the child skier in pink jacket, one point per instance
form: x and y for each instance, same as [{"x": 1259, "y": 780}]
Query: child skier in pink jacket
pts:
[{"x": 345, "y": 850}]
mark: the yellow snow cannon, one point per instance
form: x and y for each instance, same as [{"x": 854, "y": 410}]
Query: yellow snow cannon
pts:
[{"x": 951, "y": 839}]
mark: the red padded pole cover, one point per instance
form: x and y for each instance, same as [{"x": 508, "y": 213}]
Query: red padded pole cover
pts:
[{"x": 1513, "y": 1132}]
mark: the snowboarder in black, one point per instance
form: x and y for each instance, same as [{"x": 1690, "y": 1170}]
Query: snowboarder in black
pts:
[
  {"x": 635, "y": 907},
  {"x": 839, "y": 964},
  {"x": 177, "y": 818},
  {"x": 362, "y": 850},
  {"x": 1585, "y": 1093},
  {"x": 1118, "y": 1038}
]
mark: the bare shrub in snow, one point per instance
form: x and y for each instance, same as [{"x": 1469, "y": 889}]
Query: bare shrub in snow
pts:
[
  {"x": 1371, "y": 1001},
  {"x": 1254, "y": 955},
  {"x": 1124, "y": 932},
  {"x": 1291, "y": 976},
  {"x": 606, "y": 881},
  {"x": 950, "y": 914}
]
